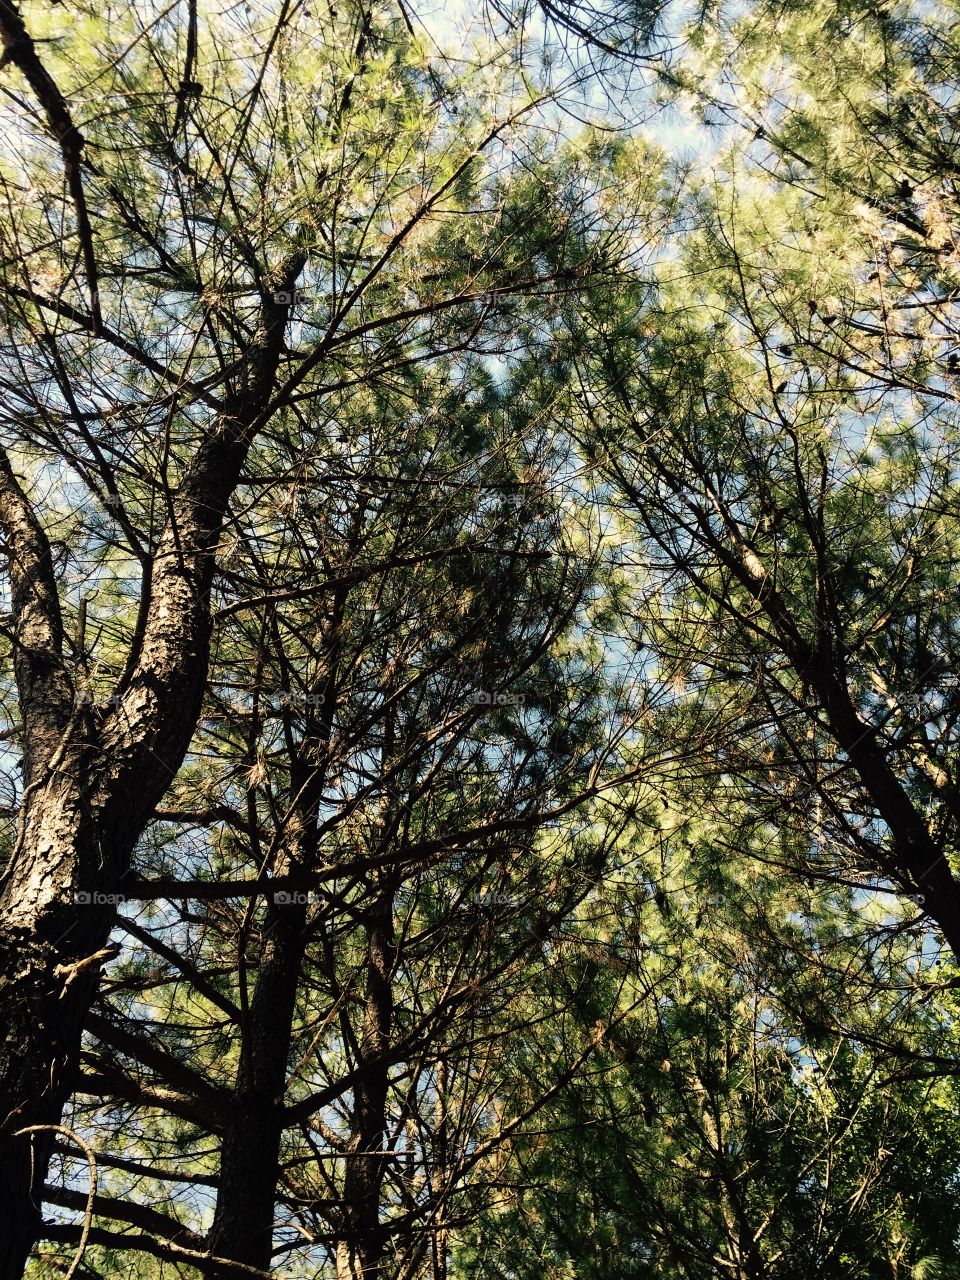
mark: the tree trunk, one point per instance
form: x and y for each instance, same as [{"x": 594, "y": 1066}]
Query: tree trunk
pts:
[
  {"x": 92, "y": 778},
  {"x": 360, "y": 1249},
  {"x": 439, "y": 1175},
  {"x": 249, "y": 1160},
  {"x": 48, "y": 974},
  {"x": 250, "y": 1154}
]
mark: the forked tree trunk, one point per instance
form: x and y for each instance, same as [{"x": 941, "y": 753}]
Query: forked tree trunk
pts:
[{"x": 92, "y": 780}]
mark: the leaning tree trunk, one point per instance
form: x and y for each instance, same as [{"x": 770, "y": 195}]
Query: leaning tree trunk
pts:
[
  {"x": 917, "y": 860},
  {"x": 93, "y": 778}
]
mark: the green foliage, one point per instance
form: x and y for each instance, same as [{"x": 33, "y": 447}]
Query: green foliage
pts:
[{"x": 584, "y": 620}]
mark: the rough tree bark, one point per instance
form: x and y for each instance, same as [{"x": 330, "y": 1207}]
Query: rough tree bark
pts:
[{"x": 92, "y": 778}]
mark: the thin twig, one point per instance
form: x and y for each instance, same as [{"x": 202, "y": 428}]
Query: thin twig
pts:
[{"x": 91, "y": 1190}]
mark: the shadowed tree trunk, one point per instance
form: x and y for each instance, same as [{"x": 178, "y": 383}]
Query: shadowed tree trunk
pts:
[
  {"x": 250, "y": 1155},
  {"x": 819, "y": 653},
  {"x": 249, "y": 1160},
  {"x": 360, "y": 1250},
  {"x": 92, "y": 779}
]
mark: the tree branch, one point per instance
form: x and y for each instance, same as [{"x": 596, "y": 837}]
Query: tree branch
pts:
[
  {"x": 44, "y": 685},
  {"x": 18, "y": 48}
]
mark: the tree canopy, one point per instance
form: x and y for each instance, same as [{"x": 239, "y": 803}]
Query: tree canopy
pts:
[{"x": 479, "y": 672}]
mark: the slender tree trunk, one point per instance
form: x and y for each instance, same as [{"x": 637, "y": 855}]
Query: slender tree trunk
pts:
[
  {"x": 821, "y": 661},
  {"x": 249, "y": 1160},
  {"x": 250, "y": 1154},
  {"x": 360, "y": 1250},
  {"x": 439, "y": 1177}
]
